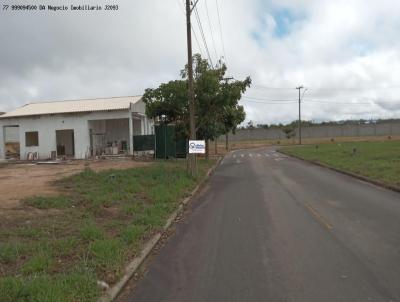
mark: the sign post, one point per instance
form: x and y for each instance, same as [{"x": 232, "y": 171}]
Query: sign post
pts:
[{"x": 197, "y": 147}]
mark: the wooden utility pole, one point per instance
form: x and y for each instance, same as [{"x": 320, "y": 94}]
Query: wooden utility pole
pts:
[
  {"x": 300, "y": 88},
  {"x": 192, "y": 160}
]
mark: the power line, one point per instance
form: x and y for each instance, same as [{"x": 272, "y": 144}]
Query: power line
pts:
[
  {"x": 194, "y": 32},
  {"x": 261, "y": 87},
  {"x": 220, "y": 30},
  {"x": 356, "y": 88},
  {"x": 337, "y": 103},
  {"x": 258, "y": 87},
  {"x": 211, "y": 30},
  {"x": 202, "y": 34},
  {"x": 197, "y": 41},
  {"x": 267, "y": 100},
  {"x": 306, "y": 101}
]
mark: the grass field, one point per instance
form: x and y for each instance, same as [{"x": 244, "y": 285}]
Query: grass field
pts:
[
  {"x": 377, "y": 160},
  {"x": 249, "y": 144},
  {"x": 89, "y": 232}
]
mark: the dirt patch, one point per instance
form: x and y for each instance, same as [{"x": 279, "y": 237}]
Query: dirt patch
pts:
[{"x": 19, "y": 181}]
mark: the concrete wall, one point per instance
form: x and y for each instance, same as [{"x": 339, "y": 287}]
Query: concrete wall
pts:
[
  {"x": 47, "y": 126},
  {"x": 319, "y": 132}
]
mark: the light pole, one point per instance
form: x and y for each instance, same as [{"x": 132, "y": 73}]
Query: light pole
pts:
[{"x": 299, "y": 89}]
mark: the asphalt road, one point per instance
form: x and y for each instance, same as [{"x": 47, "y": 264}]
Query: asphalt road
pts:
[{"x": 272, "y": 228}]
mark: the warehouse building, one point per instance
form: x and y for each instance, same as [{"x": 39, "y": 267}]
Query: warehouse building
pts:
[{"x": 78, "y": 129}]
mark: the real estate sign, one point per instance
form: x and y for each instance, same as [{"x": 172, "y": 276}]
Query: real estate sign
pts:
[{"x": 197, "y": 147}]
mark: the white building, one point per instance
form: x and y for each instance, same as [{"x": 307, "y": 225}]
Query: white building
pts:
[{"x": 74, "y": 129}]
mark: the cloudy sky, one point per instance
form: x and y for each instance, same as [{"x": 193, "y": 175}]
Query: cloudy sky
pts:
[{"x": 345, "y": 52}]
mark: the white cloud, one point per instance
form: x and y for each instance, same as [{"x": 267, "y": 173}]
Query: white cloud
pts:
[{"x": 344, "y": 51}]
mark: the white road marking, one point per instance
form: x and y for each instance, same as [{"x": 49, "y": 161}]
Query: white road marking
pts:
[
  {"x": 242, "y": 155},
  {"x": 258, "y": 155},
  {"x": 234, "y": 155},
  {"x": 266, "y": 154},
  {"x": 251, "y": 155}
]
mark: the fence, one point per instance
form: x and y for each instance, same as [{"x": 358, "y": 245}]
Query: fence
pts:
[{"x": 143, "y": 142}]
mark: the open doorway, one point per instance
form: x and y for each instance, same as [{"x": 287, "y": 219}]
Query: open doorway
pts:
[
  {"x": 65, "y": 143},
  {"x": 11, "y": 142}
]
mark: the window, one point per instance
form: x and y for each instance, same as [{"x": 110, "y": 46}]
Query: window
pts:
[{"x": 32, "y": 139}]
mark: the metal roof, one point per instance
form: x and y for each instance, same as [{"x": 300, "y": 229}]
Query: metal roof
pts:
[{"x": 74, "y": 106}]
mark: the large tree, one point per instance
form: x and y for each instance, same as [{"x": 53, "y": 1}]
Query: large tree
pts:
[{"x": 216, "y": 100}]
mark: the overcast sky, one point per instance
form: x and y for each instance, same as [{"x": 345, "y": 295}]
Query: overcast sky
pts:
[{"x": 345, "y": 52}]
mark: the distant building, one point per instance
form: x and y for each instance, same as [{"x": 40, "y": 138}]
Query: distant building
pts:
[{"x": 75, "y": 129}]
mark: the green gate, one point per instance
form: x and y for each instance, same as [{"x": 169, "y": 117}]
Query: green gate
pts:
[{"x": 168, "y": 145}]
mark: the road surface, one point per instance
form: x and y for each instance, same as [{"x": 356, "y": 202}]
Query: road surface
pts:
[{"x": 272, "y": 228}]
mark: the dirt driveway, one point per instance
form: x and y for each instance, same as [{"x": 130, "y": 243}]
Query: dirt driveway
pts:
[{"x": 18, "y": 181}]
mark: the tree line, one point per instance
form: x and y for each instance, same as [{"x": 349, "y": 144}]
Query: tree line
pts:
[{"x": 250, "y": 125}]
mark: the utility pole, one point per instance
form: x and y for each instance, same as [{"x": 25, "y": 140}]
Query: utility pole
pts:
[
  {"x": 192, "y": 160},
  {"x": 299, "y": 89}
]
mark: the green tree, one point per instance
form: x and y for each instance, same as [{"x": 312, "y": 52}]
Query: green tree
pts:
[
  {"x": 232, "y": 117},
  {"x": 216, "y": 100},
  {"x": 168, "y": 102}
]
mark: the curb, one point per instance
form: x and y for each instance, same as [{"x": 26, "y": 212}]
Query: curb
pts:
[
  {"x": 357, "y": 176},
  {"x": 133, "y": 266}
]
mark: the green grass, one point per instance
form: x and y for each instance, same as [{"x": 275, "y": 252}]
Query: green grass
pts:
[
  {"x": 73, "y": 286},
  {"x": 39, "y": 263},
  {"x": 9, "y": 252},
  {"x": 90, "y": 231},
  {"x": 377, "y": 160},
  {"x": 131, "y": 234},
  {"x": 107, "y": 255},
  {"x": 53, "y": 202},
  {"x": 99, "y": 225}
]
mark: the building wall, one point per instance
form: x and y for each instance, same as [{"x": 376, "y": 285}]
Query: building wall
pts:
[
  {"x": 11, "y": 135},
  {"x": 47, "y": 126},
  {"x": 2, "y": 145}
]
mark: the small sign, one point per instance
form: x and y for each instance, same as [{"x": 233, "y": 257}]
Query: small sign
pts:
[{"x": 197, "y": 147}]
